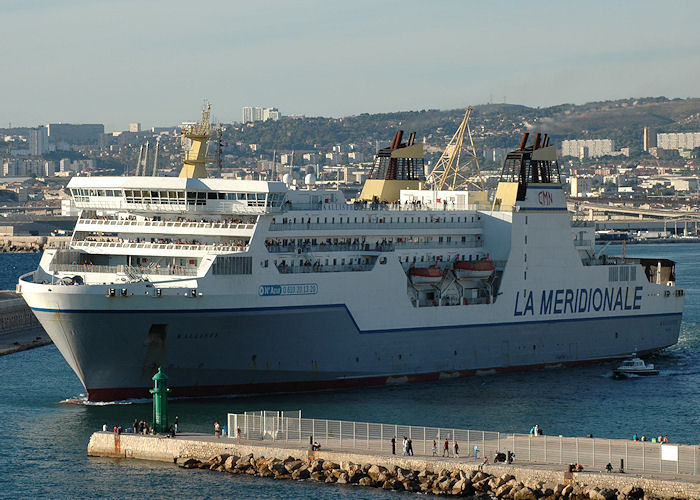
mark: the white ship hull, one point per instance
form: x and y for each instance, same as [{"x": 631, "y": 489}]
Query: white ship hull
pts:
[{"x": 322, "y": 298}]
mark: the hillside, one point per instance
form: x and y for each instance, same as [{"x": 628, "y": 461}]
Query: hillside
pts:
[{"x": 493, "y": 125}]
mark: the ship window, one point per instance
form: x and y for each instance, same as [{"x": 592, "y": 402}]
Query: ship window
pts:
[
  {"x": 211, "y": 196},
  {"x": 524, "y": 275},
  {"x": 613, "y": 274},
  {"x": 526, "y": 239},
  {"x": 525, "y": 257},
  {"x": 526, "y": 219},
  {"x": 232, "y": 265},
  {"x": 221, "y": 196}
]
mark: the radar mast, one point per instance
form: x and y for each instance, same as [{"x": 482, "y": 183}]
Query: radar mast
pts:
[{"x": 194, "y": 161}]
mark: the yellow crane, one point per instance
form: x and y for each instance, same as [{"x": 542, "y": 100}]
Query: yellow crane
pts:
[{"x": 452, "y": 171}]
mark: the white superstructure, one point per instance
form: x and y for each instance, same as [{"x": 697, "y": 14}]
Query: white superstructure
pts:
[{"x": 248, "y": 286}]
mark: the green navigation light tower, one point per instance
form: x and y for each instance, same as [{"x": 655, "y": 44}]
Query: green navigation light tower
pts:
[{"x": 160, "y": 401}]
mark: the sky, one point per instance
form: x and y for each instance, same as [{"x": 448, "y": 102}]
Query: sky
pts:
[{"x": 157, "y": 61}]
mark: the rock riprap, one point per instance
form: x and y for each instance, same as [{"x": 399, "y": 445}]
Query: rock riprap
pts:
[{"x": 463, "y": 483}]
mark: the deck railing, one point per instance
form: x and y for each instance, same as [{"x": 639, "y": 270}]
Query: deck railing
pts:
[
  {"x": 473, "y": 444},
  {"x": 123, "y": 269},
  {"x": 158, "y": 246},
  {"x": 161, "y": 224}
]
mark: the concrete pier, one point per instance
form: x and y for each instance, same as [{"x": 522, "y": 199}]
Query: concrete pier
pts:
[
  {"x": 203, "y": 447},
  {"x": 19, "y": 328}
]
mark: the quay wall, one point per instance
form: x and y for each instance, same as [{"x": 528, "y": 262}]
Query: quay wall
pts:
[
  {"x": 15, "y": 313},
  {"x": 31, "y": 243},
  {"x": 164, "y": 449},
  {"x": 19, "y": 328}
]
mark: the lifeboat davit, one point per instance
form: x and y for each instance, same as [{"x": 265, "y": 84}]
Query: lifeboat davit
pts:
[
  {"x": 425, "y": 275},
  {"x": 474, "y": 269}
]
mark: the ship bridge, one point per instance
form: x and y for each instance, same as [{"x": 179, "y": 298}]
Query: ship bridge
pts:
[{"x": 177, "y": 194}]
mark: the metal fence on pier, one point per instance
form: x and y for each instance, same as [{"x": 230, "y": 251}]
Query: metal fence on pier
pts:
[{"x": 592, "y": 453}]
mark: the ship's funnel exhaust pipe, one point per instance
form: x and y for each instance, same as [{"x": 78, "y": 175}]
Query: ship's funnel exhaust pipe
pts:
[
  {"x": 396, "y": 142},
  {"x": 523, "y": 141},
  {"x": 537, "y": 142}
]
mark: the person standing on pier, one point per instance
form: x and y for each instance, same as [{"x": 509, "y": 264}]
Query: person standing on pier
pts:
[
  {"x": 446, "y": 448},
  {"x": 410, "y": 446},
  {"x": 217, "y": 429},
  {"x": 434, "y": 448},
  {"x": 393, "y": 445},
  {"x": 456, "y": 449}
]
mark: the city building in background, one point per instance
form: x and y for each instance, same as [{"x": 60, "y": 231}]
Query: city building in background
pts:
[
  {"x": 85, "y": 133},
  {"x": 587, "y": 148},
  {"x": 38, "y": 141},
  {"x": 649, "y": 139},
  {"x": 260, "y": 114},
  {"x": 678, "y": 140}
]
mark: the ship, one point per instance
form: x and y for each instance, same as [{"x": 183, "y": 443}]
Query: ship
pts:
[{"x": 261, "y": 286}]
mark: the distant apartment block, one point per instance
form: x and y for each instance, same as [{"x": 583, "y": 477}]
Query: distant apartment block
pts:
[
  {"x": 580, "y": 186},
  {"x": 22, "y": 167},
  {"x": 649, "y": 139},
  {"x": 38, "y": 141},
  {"x": 135, "y": 127},
  {"x": 260, "y": 114},
  {"x": 85, "y": 133},
  {"x": 587, "y": 148},
  {"x": 678, "y": 140}
]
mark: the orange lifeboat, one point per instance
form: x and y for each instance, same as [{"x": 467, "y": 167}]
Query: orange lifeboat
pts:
[
  {"x": 425, "y": 275},
  {"x": 474, "y": 269}
]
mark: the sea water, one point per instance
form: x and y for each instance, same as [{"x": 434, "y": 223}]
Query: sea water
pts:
[{"x": 43, "y": 442}]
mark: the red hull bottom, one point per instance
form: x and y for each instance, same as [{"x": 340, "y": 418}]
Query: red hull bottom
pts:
[{"x": 120, "y": 394}]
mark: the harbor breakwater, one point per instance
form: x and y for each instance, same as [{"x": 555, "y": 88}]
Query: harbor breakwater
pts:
[
  {"x": 429, "y": 475},
  {"x": 10, "y": 244},
  {"x": 19, "y": 328}
]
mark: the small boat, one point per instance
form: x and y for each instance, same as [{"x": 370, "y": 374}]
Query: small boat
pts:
[
  {"x": 425, "y": 275},
  {"x": 634, "y": 366},
  {"x": 474, "y": 269}
]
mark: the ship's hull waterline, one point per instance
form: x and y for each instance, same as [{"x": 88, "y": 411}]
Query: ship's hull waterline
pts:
[{"x": 261, "y": 351}]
